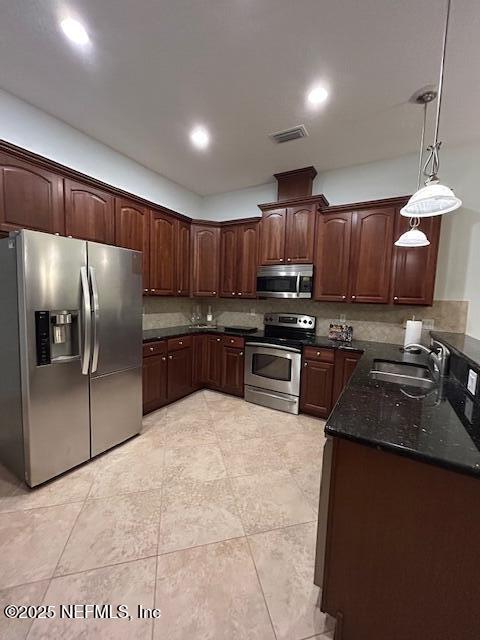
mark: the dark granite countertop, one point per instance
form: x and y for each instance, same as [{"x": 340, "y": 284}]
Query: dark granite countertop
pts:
[
  {"x": 150, "y": 335},
  {"x": 441, "y": 426},
  {"x": 464, "y": 345}
]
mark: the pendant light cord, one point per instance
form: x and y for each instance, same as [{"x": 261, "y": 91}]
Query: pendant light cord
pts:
[{"x": 433, "y": 149}]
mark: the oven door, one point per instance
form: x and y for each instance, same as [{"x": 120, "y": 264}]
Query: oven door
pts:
[{"x": 273, "y": 367}]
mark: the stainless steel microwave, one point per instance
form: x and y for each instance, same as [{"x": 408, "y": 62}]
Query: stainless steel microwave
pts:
[{"x": 285, "y": 281}]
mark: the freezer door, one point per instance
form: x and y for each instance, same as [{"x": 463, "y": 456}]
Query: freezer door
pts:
[
  {"x": 116, "y": 402},
  {"x": 116, "y": 285},
  {"x": 55, "y": 397}
]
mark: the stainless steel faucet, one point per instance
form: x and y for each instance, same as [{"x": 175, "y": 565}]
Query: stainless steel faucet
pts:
[{"x": 438, "y": 354}]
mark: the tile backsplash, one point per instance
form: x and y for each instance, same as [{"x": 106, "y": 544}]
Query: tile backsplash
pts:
[{"x": 382, "y": 323}]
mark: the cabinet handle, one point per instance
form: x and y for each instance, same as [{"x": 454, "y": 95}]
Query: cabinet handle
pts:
[
  {"x": 281, "y": 259},
  {"x": 214, "y": 293},
  {"x": 233, "y": 293},
  {"x": 241, "y": 353},
  {"x": 151, "y": 349},
  {"x": 163, "y": 358},
  {"x": 57, "y": 234},
  {"x": 146, "y": 290},
  {"x": 152, "y": 290},
  {"x": 179, "y": 291},
  {"x": 288, "y": 259},
  {"x": 239, "y": 293},
  {"x": 180, "y": 342},
  {"x": 305, "y": 364},
  {"x": 170, "y": 357},
  {"x": 232, "y": 341},
  {"x": 218, "y": 339},
  {"x": 395, "y": 298},
  {"x": 354, "y": 297},
  {"x": 318, "y": 353},
  {"x": 344, "y": 297}
]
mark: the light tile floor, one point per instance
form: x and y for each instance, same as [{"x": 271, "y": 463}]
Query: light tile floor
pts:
[{"x": 209, "y": 515}]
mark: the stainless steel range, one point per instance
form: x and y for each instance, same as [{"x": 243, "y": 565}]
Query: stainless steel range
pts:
[{"x": 273, "y": 362}]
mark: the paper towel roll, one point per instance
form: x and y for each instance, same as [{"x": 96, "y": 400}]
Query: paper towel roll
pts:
[{"x": 413, "y": 332}]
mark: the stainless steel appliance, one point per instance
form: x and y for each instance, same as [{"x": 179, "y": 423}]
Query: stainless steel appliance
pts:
[
  {"x": 273, "y": 362},
  {"x": 285, "y": 281},
  {"x": 71, "y": 345}
]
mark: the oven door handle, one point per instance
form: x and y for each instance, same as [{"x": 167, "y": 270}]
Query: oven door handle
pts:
[
  {"x": 298, "y": 284},
  {"x": 266, "y": 345}
]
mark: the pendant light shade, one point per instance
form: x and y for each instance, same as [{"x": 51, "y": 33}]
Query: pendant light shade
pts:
[
  {"x": 413, "y": 238},
  {"x": 434, "y": 199}
]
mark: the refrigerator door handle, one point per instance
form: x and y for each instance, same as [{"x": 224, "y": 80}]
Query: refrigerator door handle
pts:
[
  {"x": 96, "y": 319},
  {"x": 87, "y": 321}
]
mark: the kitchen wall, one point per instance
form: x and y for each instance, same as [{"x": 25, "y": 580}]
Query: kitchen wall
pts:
[
  {"x": 33, "y": 129},
  {"x": 459, "y": 259}
]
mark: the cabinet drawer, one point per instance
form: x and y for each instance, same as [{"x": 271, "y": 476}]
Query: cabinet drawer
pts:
[
  {"x": 320, "y": 354},
  {"x": 234, "y": 341},
  {"x": 176, "y": 344},
  {"x": 154, "y": 348}
]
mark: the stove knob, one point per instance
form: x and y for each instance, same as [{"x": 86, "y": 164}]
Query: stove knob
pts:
[{"x": 310, "y": 322}]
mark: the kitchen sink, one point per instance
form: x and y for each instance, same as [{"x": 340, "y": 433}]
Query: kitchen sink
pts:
[{"x": 402, "y": 373}]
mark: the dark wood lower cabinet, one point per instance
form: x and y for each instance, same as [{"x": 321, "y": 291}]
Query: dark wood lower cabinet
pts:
[
  {"x": 233, "y": 370},
  {"x": 345, "y": 363},
  {"x": 180, "y": 373},
  {"x": 316, "y": 387},
  {"x": 154, "y": 382},
  {"x": 213, "y": 362}
]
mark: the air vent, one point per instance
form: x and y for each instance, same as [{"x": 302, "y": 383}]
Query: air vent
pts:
[{"x": 289, "y": 134}]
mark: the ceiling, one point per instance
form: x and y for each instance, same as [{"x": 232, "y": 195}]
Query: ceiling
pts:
[{"x": 156, "y": 68}]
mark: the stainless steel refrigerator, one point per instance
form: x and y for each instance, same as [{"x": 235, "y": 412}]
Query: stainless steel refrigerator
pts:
[{"x": 70, "y": 351}]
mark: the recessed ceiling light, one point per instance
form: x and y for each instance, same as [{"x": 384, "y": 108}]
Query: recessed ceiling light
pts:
[
  {"x": 75, "y": 31},
  {"x": 317, "y": 95},
  {"x": 200, "y": 137}
]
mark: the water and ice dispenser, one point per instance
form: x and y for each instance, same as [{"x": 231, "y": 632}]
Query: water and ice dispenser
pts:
[{"x": 57, "y": 335}]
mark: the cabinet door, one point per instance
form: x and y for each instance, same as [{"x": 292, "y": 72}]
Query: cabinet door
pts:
[
  {"x": 316, "y": 388},
  {"x": 213, "y": 363},
  {"x": 199, "y": 361},
  {"x": 332, "y": 256},
  {"x": 233, "y": 370},
  {"x": 345, "y": 363},
  {"x": 300, "y": 235},
  {"x": 247, "y": 235},
  {"x": 372, "y": 250},
  {"x": 154, "y": 382},
  {"x": 206, "y": 258},
  {"x": 414, "y": 269},
  {"x": 30, "y": 198},
  {"x": 132, "y": 231},
  {"x": 272, "y": 236},
  {"x": 183, "y": 258},
  {"x": 162, "y": 254},
  {"x": 180, "y": 373},
  {"x": 229, "y": 263},
  {"x": 89, "y": 213}
]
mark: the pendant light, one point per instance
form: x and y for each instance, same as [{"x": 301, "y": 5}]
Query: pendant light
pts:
[
  {"x": 434, "y": 199},
  {"x": 414, "y": 237}
]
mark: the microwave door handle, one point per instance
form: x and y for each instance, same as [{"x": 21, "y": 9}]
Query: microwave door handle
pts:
[
  {"x": 87, "y": 321},
  {"x": 96, "y": 318}
]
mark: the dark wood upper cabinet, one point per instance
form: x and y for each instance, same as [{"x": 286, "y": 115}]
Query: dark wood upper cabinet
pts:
[
  {"x": 183, "y": 258},
  {"x": 414, "y": 269},
  {"x": 30, "y": 197},
  {"x": 332, "y": 256},
  {"x": 238, "y": 260},
  {"x": 162, "y": 254},
  {"x": 371, "y": 255},
  {"x": 89, "y": 213},
  {"x": 229, "y": 267},
  {"x": 205, "y": 260},
  {"x": 300, "y": 234},
  {"x": 272, "y": 237},
  {"x": 247, "y": 260},
  {"x": 132, "y": 231}
]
